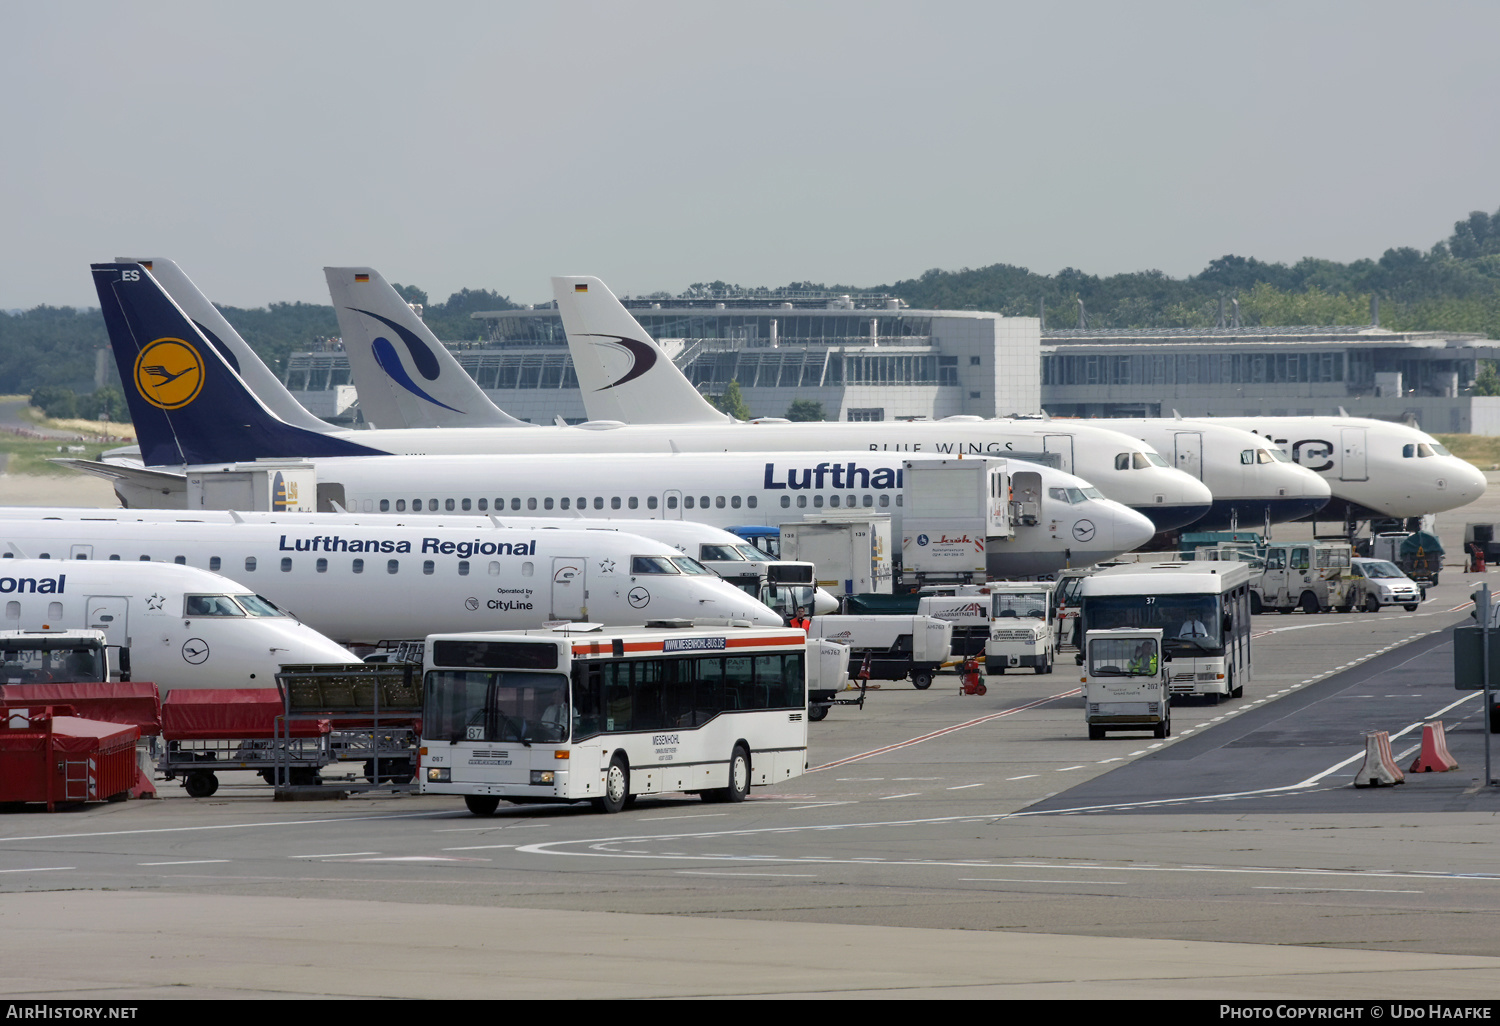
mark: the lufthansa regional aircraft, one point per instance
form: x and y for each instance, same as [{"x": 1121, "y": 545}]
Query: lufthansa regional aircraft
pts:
[
  {"x": 185, "y": 627},
  {"x": 191, "y": 409},
  {"x": 1375, "y": 468},
  {"x": 1249, "y": 484},
  {"x": 363, "y": 585}
]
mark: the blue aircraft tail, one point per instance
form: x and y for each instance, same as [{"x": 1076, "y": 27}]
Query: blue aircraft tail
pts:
[{"x": 189, "y": 407}]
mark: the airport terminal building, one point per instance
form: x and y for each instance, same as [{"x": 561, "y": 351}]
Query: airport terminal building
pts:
[{"x": 872, "y": 358}]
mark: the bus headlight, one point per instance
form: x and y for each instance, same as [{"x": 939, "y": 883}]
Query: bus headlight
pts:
[
  {"x": 437, "y": 774},
  {"x": 542, "y": 776}
]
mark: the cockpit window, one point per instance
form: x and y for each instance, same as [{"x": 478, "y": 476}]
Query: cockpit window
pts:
[
  {"x": 1076, "y": 495},
  {"x": 1122, "y": 461},
  {"x": 1280, "y": 457},
  {"x": 1441, "y": 450},
  {"x": 753, "y": 554},
  {"x": 652, "y": 565},
  {"x": 1092, "y": 492},
  {"x": 690, "y": 566},
  {"x": 1247, "y": 456},
  {"x": 720, "y": 553},
  {"x": 1065, "y": 494},
  {"x": 257, "y": 606},
  {"x": 210, "y": 605},
  {"x": 1421, "y": 450},
  {"x": 1263, "y": 456}
]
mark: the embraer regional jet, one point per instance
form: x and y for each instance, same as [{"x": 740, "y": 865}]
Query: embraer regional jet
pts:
[{"x": 363, "y": 585}]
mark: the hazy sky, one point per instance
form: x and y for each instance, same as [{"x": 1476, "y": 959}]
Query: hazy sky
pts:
[{"x": 656, "y": 144}]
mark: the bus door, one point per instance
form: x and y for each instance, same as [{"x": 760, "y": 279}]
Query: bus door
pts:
[
  {"x": 1354, "y": 466},
  {"x": 1063, "y": 446},
  {"x": 1188, "y": 446},
  {"x": 569, "y": 594},
  {"x": 108, "y": 613}
]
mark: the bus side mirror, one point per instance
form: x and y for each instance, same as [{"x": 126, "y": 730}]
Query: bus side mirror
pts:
[{"x": 124, "y": 674}]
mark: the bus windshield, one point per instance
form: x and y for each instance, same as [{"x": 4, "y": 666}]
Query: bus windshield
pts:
[
  {"x": 1190, "y": 624},
  {"x": 478, "y": 705}
]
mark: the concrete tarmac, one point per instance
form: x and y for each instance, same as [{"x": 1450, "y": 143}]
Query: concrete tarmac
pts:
[
  {"x": 930, "y": 853},
  {"x": 118, "y": 946}
]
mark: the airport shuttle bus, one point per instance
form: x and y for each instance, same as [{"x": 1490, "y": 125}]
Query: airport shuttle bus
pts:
[
  {"x": 567, "y": 715},
  {"x": 1202, "y": 610}
]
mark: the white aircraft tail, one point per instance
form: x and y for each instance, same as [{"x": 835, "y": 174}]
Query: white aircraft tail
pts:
[
  {"x": 623, "y": 373},
  {"x": 405, "y": 377},
  {"x": 235, "y": 350}
]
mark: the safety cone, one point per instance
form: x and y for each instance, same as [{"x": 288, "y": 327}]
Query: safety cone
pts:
[
  {"x": 1434, "y": 757},
  {"x": 1380, "y": 769}
]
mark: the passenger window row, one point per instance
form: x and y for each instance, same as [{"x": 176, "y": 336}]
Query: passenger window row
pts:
[{"x": 392, "y": 566}]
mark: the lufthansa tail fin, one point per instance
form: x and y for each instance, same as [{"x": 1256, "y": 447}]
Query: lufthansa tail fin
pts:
[
  {"x": 188, "y": 406},
  {"x": 405, "y": 377},
  {"x": 234, "y": 349},
  {"x": 623, "y": 372}
]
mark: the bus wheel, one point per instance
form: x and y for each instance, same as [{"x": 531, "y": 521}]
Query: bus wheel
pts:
[
  {"x": 1255, "y": 603},
  {"x": 200, "y": 783},
  {"x": 816, "y": 712},
  {"x": 1096, "y": 733},
  {"x": 616, "y": 787},
  {"x": 1310, "y": 603},
  {"x": 739, "y": 776},
  {"x": 921, "y": 681},
  {"x": 482, "y": 804}
]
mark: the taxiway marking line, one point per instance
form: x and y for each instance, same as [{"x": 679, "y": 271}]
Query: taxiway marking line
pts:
[{"x": 946, "y": 730}]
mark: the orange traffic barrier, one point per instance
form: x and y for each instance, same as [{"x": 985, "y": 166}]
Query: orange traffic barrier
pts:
[
  {"x": 1380, "y": 769},
  {"x": 1434, "y": 757}
]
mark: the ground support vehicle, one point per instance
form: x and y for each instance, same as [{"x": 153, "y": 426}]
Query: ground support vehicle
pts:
[
  {"x": 375, "y": 711},
  {"x": 1066, "y": 602},
  {"x": 48, "y": 755},
  {"x": 1376, "y": 583},
  {"x": 1310, "y": 576},
  {"x": 893, "y": 647},
  {"x": 828, "y": 676},
  {"x": 1125, "y": 682},
  {"x": 60, "y": 656},
  {"x": 1419, "y": 555},
  {"x": 1201, "y": 608},
  {"x": 968, "y": 611},
  {"x": 210, "y": 731},
  {"x": 1021, "y": 627},
  {"x": 852, "y": 553},
  {"x": 578, "y": 713}
]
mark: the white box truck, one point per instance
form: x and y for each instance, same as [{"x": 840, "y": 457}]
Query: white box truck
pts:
[{"x": 852, "y": 554}]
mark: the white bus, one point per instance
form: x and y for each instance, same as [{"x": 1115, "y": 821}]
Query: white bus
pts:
[
  {"x": 578, "y": 714},
  {"x": 1201, "y": 608}
]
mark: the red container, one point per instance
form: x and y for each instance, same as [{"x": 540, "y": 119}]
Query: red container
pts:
[{"x": 64, "y": 759}]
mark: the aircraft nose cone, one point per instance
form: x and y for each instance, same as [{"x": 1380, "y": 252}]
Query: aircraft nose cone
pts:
[{"x": 1132, "y": 529}]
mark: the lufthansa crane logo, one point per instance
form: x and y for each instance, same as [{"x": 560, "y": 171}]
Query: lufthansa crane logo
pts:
[{"x": 169, "y": 373}]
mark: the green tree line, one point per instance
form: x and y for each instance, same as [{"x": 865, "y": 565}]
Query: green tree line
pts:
[{"x": 1453, "y": 286}]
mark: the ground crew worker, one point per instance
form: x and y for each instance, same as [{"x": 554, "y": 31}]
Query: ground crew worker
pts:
[
  {"x": 1145, "y": 659},
  {"x": 800, "y": 620}
]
